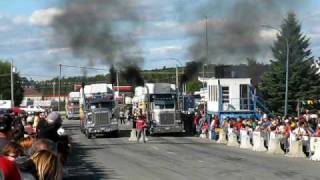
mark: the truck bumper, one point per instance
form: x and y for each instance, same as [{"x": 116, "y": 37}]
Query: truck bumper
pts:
[
  {"x": 103, "y": 129},
  {"x": 73, "y": 116},
  {"x": 167, "y": 129}
]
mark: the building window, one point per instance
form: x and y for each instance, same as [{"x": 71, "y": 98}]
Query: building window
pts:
[
  {"x": 225, "y": 94},
  {"x": 244, "y": 96},
  {"x": 213, "y": 93}
]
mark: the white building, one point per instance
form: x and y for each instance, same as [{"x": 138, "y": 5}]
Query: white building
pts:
[{"x": 228, "y": 94}]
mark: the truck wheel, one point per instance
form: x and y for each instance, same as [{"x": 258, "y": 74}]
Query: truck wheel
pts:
[
  {"x": 89, "y": 135},
  {"x": 115, "y": 134},
  {"x": 148, "y": 132}
]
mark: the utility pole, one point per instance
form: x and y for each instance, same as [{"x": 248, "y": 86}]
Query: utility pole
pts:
[
  {"x": 207, "y": 51},
  {"x": 287, "y": 77},
  {"x": 207, "y": 43},
  {"x": 177, "y": 77},
  {"x": 118, "y": 91},
  {"x": 54, "y": 88},
  {"x": 12, "y": 84},
  {"x": 59, "y": 90},
  {"x": 287, "y": 68}
]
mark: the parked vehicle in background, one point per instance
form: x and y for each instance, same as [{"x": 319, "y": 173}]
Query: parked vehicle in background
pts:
[
  {"x": 100, "y": 114},
  {"x": 33, "y": 109},
  {"x": 159, "y": 103},
  {"x": 72, "y": 105},
  {"x": 5, "y": 104}
]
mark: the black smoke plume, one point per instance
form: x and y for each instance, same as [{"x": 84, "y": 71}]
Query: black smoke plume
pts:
[
  {"x": 99, "y": 30},
  {"x": 132, "y": 75},
  {"x": 191, "y": 70},
  {"x": 234, "y": 28},
  {"x": 112, "y": 75}
]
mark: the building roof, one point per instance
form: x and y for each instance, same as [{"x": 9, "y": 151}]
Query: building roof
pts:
[{"x": 30, "y": 92}]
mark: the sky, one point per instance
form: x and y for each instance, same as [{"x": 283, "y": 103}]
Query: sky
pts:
[{"x": 163, "y": 34}]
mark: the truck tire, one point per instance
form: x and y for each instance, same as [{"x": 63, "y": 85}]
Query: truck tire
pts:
[
  {"x": 115, "y": 134},
  {"x": 89, "y": 135}
]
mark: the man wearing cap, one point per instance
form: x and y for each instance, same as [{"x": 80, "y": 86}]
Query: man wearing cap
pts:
[{"x": 5, "y": 129}]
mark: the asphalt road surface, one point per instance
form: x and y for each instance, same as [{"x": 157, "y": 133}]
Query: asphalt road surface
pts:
[{"x": 170, "y": 157}]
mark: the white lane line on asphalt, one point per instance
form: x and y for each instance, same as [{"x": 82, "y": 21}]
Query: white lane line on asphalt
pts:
[
  {"x": 170, "y": 152},
  {"x": 154, "y": 147}
]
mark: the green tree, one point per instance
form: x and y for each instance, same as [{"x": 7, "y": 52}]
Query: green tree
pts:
[
  {"x": 5, "y": 90},
  {"x": 193, "y": 85},
  {"x": 303, "y": 82}
]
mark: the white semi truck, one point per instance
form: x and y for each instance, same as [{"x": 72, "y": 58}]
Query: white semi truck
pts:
[
  {"x": 98, "y": 113},
  {"x": 72, "y": 105},
  {"x": 158, "y": 102}
]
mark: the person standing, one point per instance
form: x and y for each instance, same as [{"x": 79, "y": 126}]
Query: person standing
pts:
[
  {"x": 5, "y": 129},
  {"x": 122, "y": 118},
  {"x": 140, "y": 126},
  {"x": 9, "y": 169}
]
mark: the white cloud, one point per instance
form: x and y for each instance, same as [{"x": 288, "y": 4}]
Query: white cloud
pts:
[
  {"x": 58, "y": 50},
  {"x": 44, "y": 17},
  {"x": 21, "y": 20},
  {"x": 4, "y": 28},
  {"x": 165, "y": 50},
  {"x": 268, "y": 34}
]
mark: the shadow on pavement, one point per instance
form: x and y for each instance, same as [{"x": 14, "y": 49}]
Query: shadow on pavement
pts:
[{"x": 82, "y": 165}]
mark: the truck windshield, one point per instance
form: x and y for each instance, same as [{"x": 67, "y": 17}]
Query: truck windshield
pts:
[
  {"x": 163, "y": 104},
  {"x": 74, "y": 103},
  {"x": 101, "y": 105}
]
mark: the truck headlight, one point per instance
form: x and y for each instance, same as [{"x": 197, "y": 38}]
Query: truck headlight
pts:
[
  {"x": 114, "y": 121},
  {"x": 89, "y": 119}
]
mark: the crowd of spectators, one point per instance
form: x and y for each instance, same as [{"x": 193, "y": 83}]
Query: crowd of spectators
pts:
[
  {"x": 297, "y": 127},
  {"x": 32, "y": 146}
]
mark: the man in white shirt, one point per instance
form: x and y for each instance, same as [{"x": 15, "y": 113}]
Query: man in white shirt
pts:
[{"x": 299, "y": 131}]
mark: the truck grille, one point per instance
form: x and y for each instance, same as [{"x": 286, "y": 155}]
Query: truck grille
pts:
[
  {"x": 75, "y": 110},
  {"x": 167, "y": 118},
  {"x": 101, "y": 118}
]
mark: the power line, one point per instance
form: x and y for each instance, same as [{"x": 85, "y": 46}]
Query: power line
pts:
[{"x": 82, "y": 67}]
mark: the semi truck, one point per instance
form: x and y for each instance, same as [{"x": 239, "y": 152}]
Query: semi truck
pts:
[
  {"x": 72, "y": 105},
  {"x": 158, "y": 102},
  {"x": 99, "y": 115}
]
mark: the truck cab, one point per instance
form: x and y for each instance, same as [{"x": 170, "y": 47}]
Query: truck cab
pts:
[
  {"x": 100, "y": 115},
  {"x": 160, "y": 104},
  {"x": 72, "y": 105}
]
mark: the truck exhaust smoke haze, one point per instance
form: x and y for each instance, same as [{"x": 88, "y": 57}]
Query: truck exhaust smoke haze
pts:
[
  {"x": 234, "y": 28},
  {"x": 99, "y": 31}
]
